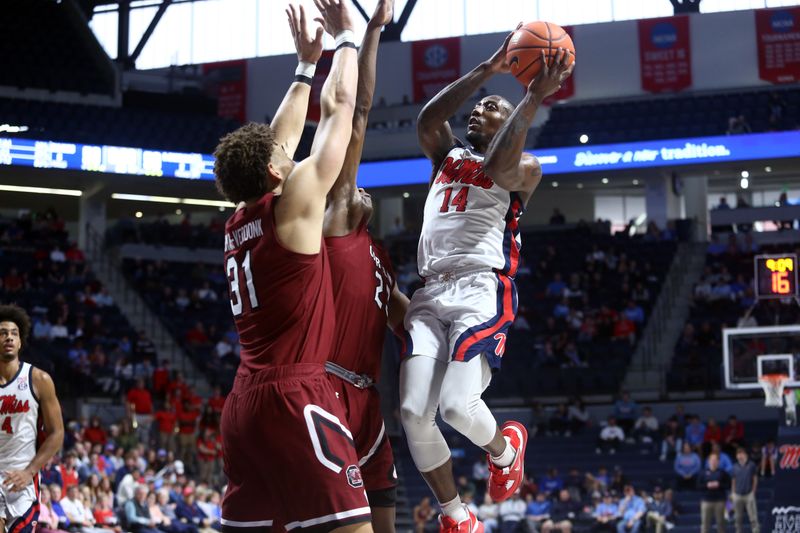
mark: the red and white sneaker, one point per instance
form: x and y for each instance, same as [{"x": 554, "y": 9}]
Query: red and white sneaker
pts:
[
  {"x": 503, "y": 482},
  {"x": 470, "y": 525}
]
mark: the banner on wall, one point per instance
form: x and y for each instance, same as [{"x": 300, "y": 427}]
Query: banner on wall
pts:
[
  {"x": 227, "y": 82},
  {"x": 778, "y": 34},
  {"x": 320, "y": 75},
  {"x": 665, "y": 54},
  {"x": 784, "y": 513},
  {"x": 435, "y": 63},
  {"x": 567, "y": 90}
]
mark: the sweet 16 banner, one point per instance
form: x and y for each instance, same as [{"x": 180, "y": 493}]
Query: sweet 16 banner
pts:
[
  {"x": 435, "y": 63},
  {"x": 227, "y": 81},
  {"x": 665, "y": 54},
  {"x": 778, "y": 34}
]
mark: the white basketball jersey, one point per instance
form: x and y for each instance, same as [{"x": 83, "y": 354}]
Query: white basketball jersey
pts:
[
  {"x": 19, "y": 417},
  {"x": 470, "y": 222}
]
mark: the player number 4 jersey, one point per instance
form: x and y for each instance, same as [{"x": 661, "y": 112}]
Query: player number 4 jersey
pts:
[
  {"x": 19, "y": 416},
  {"x": 470, "y": 222}
]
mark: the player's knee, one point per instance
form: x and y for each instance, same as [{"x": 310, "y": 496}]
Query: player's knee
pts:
[
  {"x": 413, "y": 414},
  {"x": 455, "y": 413}
]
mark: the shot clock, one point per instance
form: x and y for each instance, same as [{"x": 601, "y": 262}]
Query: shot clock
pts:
[{"x": 776, "y": 276}]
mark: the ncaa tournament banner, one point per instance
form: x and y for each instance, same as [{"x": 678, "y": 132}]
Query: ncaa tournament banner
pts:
[
  {"x": 320, "y": 75},
  {"x": 567, "y": 90},
  {"x": 435, "y": 64},
  {"x": 784, "y": 513},
  {"x": 778, "y": 34},
  {"x": 227, "y": 81},
  {"x": 665, "y": 54}
]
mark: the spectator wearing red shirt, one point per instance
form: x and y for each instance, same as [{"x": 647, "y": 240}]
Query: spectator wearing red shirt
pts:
[
  {"x": 167, "y": 421},
  {"x": 161, "y": 379},
  {"x": 732, "y": 435},
  {"x": 206, "y": 454},
  {"x": 177, "y": 389},
  {"x": 68, "y": 471},
  {"x": 624, "y": 329},
  {"x": 95, "y": 433},
  {"x": 187, "y": 430},
  {"x": 197, "y": 335},
  {"x": 217, "y": 400},
  {"x": 13, "y": 282},
  {"x": 140, "y": 405},
  {"x": 74, "y": 254},
  {"x": 712, "y": 435}
]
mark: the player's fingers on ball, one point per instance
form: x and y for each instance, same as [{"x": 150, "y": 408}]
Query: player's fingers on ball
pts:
[{"x": 543, "y": 59}]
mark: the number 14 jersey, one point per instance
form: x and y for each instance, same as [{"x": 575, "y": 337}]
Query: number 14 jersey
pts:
[
  {"x": 470, "y": 223},
  {"x": 282, "y": 301}
]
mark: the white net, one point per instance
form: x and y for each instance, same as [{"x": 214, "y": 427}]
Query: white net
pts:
[{"x": 773, "y": 388}]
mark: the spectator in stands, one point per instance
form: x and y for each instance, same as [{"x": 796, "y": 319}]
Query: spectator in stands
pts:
[
  {"x": 687, "y": 466},
  {"x": 552, "y": 482},
  {"x": 605, "y": 514},
  {"x": 769, "y": 456},
  {"x": 95, "y": 434},
  {"x": 69, "y": 471},
  {"x": 626, "y": 411},
  {"x": 144, "y": 348},
  {"x": 137, "y": 512},
  {"x": 423, "y": 513},
  {"x": 166, "y": 421},
  {"x": 188, "y": 416},
  {"x": 579, "y": 417},
  {"x": 645, "y": 430},
  {"x": 480, "y": 474},
  {"x": 725, "y": 462},
  {"x": 512, "y": 512},
  {"x": 488, "y": 513},
  {"x": 671, "y": 439},
  {"x": 744, "y": 483},
  {"x": 559, "y": 420},
  {"x": 695, "y": 433},
  {"x": 624, "y": 330},
  {"x": 538, "y": 420},
  {"x": 631, "y": 509},
  {"x": 57, "y": 255},
  {"x": 563, "y": 513},
  {"x": 168, "y": 511},
  {"x": 556, "y": 288},
  {"x": 557, "y": 218},
  {"x": 13, "y": 282},
  {"x": 712, "y": 434},
  {"x": 537, "y": 512},
  {"x": 80, "y": 518},
  {"x": 777, "y": 106},
  {"x": 714, "y": 482},
  {"x": 197, "y": 335},
  {"x": 659, "y": 511},
  {"x": 610, "y": 438},
  {"x": 140, "y": 405},
  {"x": 189, "y": 511},
  {"x": 738, "y": 125}
]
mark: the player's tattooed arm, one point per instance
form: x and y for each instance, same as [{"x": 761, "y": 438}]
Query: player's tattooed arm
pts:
[
  {"x": 505, "y": 161},
  {"x": 291, "y": 114},
  {"x": 17, "y": 480},
  {"x": 345, "y": 207},
  {"x": 433, "y": 129}
]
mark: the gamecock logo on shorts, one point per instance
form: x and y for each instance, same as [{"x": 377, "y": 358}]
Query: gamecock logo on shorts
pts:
[
  {"x": 354, "y": 478},
  {"x": 790, "y": 456}
]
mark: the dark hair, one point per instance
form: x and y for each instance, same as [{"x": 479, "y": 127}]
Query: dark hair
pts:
[
  {"x": 17, "y": 315},
  {"x": 242, "y": 159},
  {"x": 741, "y": 450}
]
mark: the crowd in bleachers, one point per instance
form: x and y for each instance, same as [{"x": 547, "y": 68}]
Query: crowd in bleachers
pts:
[
  {"x": 724, "y": 297},
  {"x": 604, "y": 497}
]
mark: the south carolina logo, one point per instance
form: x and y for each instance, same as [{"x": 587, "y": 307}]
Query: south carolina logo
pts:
[
  {"x": 23, "y": 384},
  {"x": 354, "y": 478}
]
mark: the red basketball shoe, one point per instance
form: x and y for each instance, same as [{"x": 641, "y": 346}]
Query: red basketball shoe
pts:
[
  {"x": 470, "y": 525},
  {"x": 503, "y": 482}
]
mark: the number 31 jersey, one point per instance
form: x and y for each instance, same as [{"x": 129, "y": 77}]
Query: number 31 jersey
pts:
[
  {"x": 470, "y": 223},
  {"x": 363, "y": 281},
  {"x": 282, "y": 301}
]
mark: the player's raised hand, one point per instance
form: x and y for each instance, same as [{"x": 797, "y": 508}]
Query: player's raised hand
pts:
[
  {"x": 335, "y": 16},
  {"x": 497, "y": 63},
  {"x": 551, "y": 76},
  {"x": 309, "y": 49},
  {"x": 383, "y": 15}
]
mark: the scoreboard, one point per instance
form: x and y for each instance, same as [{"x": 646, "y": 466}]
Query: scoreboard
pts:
[{"x": 776, "y": 276}]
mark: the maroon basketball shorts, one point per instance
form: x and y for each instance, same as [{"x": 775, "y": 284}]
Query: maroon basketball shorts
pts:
[
  {"x": 290, "y": 460},
  {"x": 363, "y": 408}
]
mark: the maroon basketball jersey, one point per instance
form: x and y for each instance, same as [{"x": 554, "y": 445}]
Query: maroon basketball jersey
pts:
[
  {"x": 281, "y": 300},
  {"x": 363, "y": 280}
]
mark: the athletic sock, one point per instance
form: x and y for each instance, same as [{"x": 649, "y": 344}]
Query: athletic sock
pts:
[
  {"x": 455, "y": 509},
  {"x": 507, "y": 457}
]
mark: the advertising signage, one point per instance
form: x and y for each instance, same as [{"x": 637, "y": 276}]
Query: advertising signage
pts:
[{"x": 554, "y": 161}]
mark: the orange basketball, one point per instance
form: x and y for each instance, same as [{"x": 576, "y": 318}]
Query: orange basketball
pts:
[{"x": 524, "y": 48}]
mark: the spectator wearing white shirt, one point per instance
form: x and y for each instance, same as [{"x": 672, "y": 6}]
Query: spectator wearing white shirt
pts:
[
  {"x": 207, "y": 294},
  {"x": 103, "y": 298},
  {"x": 41, "y": 329},
  {"x": 610, "y": 437},
  {"x": 480, "y": 474},
  {"x": 57, "y": 255},
  {"x": 79, "y": 516},
  {"x": 646, "y": 427},
  {"x": 59, "y": 330},
  {"x": 488, "y": 513},
  {"x": 512, "y": 511}
]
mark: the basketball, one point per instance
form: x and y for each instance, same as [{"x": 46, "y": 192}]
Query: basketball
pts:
[{"x": 524, "y": 48}]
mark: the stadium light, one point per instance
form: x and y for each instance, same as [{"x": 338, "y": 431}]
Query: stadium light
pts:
[
  {"x": 768, "y": 169},
  {"x": 554, "y": 184},
  {"x": 605, "y": 181},
  {"x": 636, "y": 182},
  {"x": 41, "y": 190},
  {"x": 139, "y": 214},
  {"x": 745, "y": 174},
  {"x": 171, "y": 200},
  {"x": 583, "y": 138},
  {"x": 580, "y": 185},
  {"x": 744, "y": 183}
]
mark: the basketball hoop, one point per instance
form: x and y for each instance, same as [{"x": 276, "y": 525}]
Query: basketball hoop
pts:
[{"x": 773, "y": 388}]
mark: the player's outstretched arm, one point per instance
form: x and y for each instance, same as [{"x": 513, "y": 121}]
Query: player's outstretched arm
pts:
[
  {"x": 433, "y": 130},
  {"x": 300, "y": 212},
  {"x": 291, "y": 114},
  {"x": 505, "y": 162},
  {"x": 44, "y": 388},
  {"x": 345, "y": 208},
  {"x": 398, "y": 305}
]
